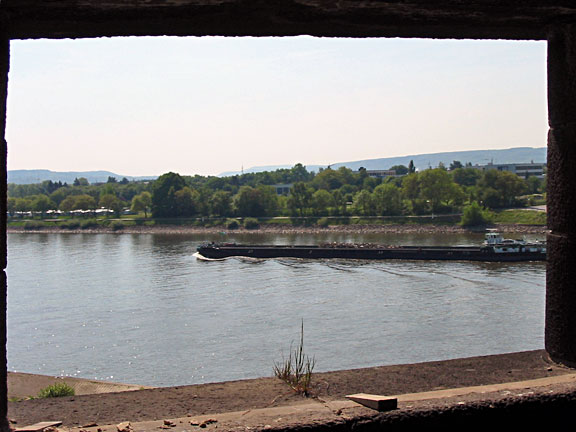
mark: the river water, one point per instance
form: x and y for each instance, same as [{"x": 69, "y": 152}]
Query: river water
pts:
[{"x": 141, "y": 309}]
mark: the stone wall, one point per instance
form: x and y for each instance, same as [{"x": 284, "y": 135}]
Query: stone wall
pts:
[
  {"x": 474, "y": 19},
  {"x": 560, "y": 334},
  {"x": 552, "y": 20},
  {"x": 4, "y": 64}
]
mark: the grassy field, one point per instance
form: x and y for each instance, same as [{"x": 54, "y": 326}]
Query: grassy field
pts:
[
  {"x": 517, "y": 216},
  {"x": 525, "y": 217}
]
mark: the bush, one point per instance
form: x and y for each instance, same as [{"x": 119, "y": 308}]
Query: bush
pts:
[
  {"x": 419, "y": 207},
  {"x": 71, "y": 224},
  {"x": 56, "y": 390},
  {"x": 139, "y": 222},
  {"x": 251, "y": 223},
  {"x": 233, "y": 224},
  {"x": 304, "y": 221},
  {"x": 32, "y": 225},
  {"x": 323, "y": 222},
  {"x": 474, "y": 215},
  {"x": 87, "y": 224},
  {"x": 116, "y": 226},
  {"x": 443, "y": 209}
]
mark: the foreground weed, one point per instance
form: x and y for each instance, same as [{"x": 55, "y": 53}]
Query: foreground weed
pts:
[
  {"x": 56, "y": 390},
  {"x": 297, "y": 369}
]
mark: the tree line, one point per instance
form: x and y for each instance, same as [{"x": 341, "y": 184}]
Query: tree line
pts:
[{"x": 330, "y": 192}]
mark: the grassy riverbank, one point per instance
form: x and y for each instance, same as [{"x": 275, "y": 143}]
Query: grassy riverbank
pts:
[
  {"x": 517, "y": 220},
  {"x": 516, "y": 216}
]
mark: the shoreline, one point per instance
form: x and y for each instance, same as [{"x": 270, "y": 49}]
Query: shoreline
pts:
[
  {"x": 187, "y": 401},
  {"x": 290, "y": 229}
]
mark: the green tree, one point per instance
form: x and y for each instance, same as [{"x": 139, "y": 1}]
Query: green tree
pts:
[
  {"x": 164, "y": 194},
  {"x": 23, "y": 204},
  {"x": 11, "y": 206},
  {"x": 387, "y": 200},
  {"x": 466, "y": 176},
  {"x": 436, "y": 186},
  {"x": 110, "y": 201},
  {"x": 490, "y": 197},
  {"x": 330, "y": 179},
  {"x": 321, "y": 201},
  {"x": 363, "y": 203},
  {"x": 340, "y": 202},
  {"x": 42, "y": 204},
  {"x": 400, "y": 169},
  {"x": 108, "y": 188},
  {"x": 411, "y": 187},
  {"x": 455, "y": 164},
  {"x": 299, "y": 173},
  {"x": 361, "y": 176},
  {"x": 186, "y": 202},
  {"x": 60, "y": 194},
  {"x": 255, "y": 202},
  {"x": 221, "y": 204},
  {"x": 473, "y": 215},
  {"x": 202, "y": 201},
  {"x": 506, "y": 184},
  {"x": 370, "y": 183},
  {"x": 299, "y": 198},
  {"x": 48, "y": 186},
  {"x": 270, "y": 199},
  {"x": 67, "y": 204},
  {"x": 533, "y": 185},
  {"x": 142, "y": 203},
  {"x": 82, "y": 181},
  {"x": 84, "y": 202},
  {"x": 78, "y": 202}
]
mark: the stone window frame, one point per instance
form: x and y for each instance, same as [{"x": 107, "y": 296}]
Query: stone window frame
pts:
[{"x": 551, "y": 20}]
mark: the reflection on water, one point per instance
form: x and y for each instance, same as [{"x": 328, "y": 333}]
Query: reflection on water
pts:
[{"x": 141, "y": 309}]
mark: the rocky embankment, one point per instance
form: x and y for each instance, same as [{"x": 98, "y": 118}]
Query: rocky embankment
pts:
[{"x": 291, "y": 229}]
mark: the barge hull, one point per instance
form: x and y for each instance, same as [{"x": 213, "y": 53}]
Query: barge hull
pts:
[{"x": 400, "y": 253}]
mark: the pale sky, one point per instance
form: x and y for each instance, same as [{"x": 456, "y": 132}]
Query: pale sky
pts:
[{"x": 146, "y": 106}]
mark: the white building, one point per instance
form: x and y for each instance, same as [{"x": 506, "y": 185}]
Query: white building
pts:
[{"x": 523, "y": 170}]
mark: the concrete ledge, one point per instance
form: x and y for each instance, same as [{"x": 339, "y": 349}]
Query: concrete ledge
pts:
[
  {"x": 475, "y": 19},
  {"x": 521, "y": 402},
  {"x": 432, "y": 386}
]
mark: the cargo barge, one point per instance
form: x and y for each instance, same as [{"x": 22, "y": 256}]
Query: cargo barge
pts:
[{"x": 494, "y": 249}]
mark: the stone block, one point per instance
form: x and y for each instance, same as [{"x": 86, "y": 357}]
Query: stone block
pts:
[
  {"x": 561, "y": 73},
  {"x": 560, "y": 331},
  {"x": 375, "y": 402},
  {"x": 561, "y": 180}
]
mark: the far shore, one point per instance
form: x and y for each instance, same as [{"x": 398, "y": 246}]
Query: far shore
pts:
[{"x": 291, "y": 229}]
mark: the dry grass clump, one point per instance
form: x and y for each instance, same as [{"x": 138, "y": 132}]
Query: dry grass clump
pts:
[{"x": 296, "y": 370}]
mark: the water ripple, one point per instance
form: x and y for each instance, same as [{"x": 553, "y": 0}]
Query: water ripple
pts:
[{"x": 142, "y": 309}]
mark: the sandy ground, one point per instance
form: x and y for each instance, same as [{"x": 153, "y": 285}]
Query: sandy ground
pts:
[
  {"x": 23, "y": 385},
  {"x": 200, "y": 401}
]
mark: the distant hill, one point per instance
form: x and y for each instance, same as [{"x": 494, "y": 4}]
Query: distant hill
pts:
[
  {"x": 38, "y": 176},
  {"x": 257, "y": 169},
  {"x": 423, "y": 161}
]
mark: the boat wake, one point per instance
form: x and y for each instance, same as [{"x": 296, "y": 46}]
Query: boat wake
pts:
[{"x": 201, "y": 257}]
